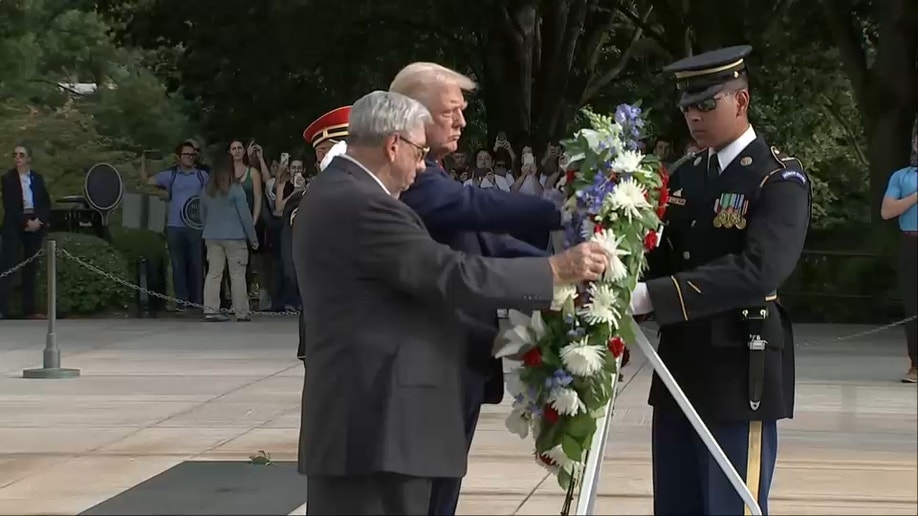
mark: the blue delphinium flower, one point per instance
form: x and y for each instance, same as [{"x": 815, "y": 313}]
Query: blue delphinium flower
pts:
[
  {"x": 629, "y": 117},
  {"x": 625, "y": 115},
  {"x": 560, "y": 378},
  {"x": 572, "y": 235},
  {"x": 592, "y": 197}
]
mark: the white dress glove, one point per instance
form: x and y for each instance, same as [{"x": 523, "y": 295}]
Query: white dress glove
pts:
[{"x": 640, "y": 300}]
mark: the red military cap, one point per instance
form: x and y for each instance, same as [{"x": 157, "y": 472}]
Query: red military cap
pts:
[{"x": 330, "y": 126}]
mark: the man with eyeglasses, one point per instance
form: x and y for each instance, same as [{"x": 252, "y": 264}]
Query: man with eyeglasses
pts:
[
  {"x": 735, "y": 226},
  {"x": 26, "y": 214},
  {"x": 183, "y": 183}
]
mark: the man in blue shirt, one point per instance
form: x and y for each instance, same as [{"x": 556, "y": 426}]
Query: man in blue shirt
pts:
[
  {"x": 183, "y": 182},
  {"x": 469, "y": 219},
  {"x": 900, "y": 201}
]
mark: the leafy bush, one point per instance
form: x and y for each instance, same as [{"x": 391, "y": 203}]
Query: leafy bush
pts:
[
  {"x": 134, "y": 244},
  {"x": 79, "y": 290}
]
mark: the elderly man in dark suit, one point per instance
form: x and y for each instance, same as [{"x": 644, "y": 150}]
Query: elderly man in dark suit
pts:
[
  {"x": 477, "y": 221},
  {"x": 26, "y": 214},
  {"x": 382, "y": 401}
]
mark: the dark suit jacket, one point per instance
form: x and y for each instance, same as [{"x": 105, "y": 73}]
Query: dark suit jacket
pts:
[
  {"x": 385, "y": 350},
  {"x": 13, "y": 217},
  {"x": 475, "y": 220}
]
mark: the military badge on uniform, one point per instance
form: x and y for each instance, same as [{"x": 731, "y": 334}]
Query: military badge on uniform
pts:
[
  {"x": 746, "y": 161},
  {"x": 676, "y": 198},
  {"x": 730, "y": 211},
  {"x": 793, "y": 174},
  {"x": 697, "y": 161}
]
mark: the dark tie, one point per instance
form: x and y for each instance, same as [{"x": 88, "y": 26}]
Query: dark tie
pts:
[{"x": 713, "y": 167}]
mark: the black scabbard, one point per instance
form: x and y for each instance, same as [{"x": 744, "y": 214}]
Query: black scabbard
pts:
[{"x": 755, "y": 322}]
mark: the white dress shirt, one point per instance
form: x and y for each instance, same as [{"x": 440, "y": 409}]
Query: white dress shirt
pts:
[
  {"x": 729, "y": 153},
  {"x": 25, "y": 181}
]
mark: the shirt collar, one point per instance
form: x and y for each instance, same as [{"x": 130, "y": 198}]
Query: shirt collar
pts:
[
  {"x": 726, "y": 155},
  {"x": 365, "y": 169}
]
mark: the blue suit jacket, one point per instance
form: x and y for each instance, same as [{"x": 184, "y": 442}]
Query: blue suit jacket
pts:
[{"x": 477, "y": 221}]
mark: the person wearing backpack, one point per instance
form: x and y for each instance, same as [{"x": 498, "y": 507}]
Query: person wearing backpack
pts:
[{"x": 183, "y": 182}]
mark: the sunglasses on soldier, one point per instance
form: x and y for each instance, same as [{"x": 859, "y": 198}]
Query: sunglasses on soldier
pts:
[{"x": 706, "y": 105}]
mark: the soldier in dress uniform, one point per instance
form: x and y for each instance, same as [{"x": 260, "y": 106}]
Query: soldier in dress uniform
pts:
[
  {"x": 323, "y": 133},
  {"x": 735, "y": 225}
]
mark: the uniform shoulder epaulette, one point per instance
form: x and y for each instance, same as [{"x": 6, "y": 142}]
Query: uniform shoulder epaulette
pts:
[{"x": 788, "y": 168}]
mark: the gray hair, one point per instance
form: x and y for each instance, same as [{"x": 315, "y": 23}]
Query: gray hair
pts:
[
  {"x": 417, "y": 80},
  {"x": 380, "y": 114}
]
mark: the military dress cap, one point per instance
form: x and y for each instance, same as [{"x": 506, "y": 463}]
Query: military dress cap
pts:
[
  {"x": 330, "y": 126},
  {"x": 703, "y": 76}
]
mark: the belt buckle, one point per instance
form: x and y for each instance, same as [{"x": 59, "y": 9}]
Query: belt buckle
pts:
[{"x": 757, "y": 343}]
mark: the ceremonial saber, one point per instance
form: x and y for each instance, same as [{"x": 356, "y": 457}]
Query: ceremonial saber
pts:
[{"x": 738, "y": 484}]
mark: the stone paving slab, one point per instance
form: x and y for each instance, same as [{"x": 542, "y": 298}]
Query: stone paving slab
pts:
[{"x": 156, "y": 393}]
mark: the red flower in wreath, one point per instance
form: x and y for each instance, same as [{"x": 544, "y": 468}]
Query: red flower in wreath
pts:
[
  {"x": 664, "y": 176},
  {"x": 570, "y": 175},
  {"x": 651, "y": 240},
  {"x": 664, "y": 195},
  {"x": 533, "y": 357},
  {"x": 597, "y": 229},
  {"x": 546, "y": 460},
  {"x": 661, "y": 211},
  {"x": 616, "y": 346},
  {"x": 550, "y": 414}
]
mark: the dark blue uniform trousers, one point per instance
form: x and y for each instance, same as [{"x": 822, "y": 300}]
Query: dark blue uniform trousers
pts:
[
  {"x": 687, "y": 479},
  {"x": 444, "y": 494}
]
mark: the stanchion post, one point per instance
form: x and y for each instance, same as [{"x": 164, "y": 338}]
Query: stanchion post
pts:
[{"x": 51, "y": 360}]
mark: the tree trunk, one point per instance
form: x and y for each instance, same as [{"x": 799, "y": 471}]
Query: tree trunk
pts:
[
  {"x": 893, "y": 95},
  {"x": 511, "y": 37},
  {"x": 887, "y": 92}
]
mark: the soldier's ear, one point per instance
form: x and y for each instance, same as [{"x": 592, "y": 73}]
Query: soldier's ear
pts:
[{"x": 742, "y": 102}]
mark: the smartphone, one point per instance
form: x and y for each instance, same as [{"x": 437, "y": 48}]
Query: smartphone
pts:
[
  {"x": 528, "y": 159},
  {"x": 284, "y": 159},
  {"x": 152, "y": 154},
  {"x": 299, "y": 181}
]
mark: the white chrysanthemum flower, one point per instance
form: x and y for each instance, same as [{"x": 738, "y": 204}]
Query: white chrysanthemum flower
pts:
[
  {"x": 627, "y": 162},
  {"x": 518, "y": 423},
  {"x": 525, "y": 332},
  {"x": 615, "y": 270},
  {"x": 562, "y": 294},
  {"x": 582, "y": 359},
  {"x": 628, "y": 198},
  {"x": 566, "y": 401},
  {"x": 560, "y": 459},
  {"x": 601, "y": 307}
]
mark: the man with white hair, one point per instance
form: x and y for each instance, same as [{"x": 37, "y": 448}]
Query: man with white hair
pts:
[
  {"x": 476, "y": 221},
  {"x": 382, "y": 404}
]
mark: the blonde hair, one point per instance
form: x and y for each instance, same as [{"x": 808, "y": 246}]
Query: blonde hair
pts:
[{"x": 418, "y": 79}]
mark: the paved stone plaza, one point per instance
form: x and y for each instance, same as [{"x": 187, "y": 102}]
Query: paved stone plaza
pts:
[{"x": 156, "y": 393}]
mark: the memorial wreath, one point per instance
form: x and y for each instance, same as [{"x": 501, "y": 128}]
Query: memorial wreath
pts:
[{"x": 569, "y": 355}]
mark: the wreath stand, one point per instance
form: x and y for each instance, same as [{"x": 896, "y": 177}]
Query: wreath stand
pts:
[{"x": 589, "y": 480}]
